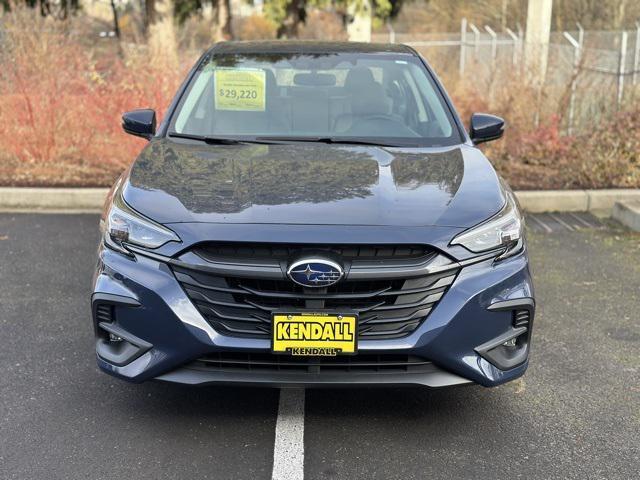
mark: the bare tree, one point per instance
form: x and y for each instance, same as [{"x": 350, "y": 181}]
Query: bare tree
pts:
[
  {"x": 116, "y": 23},
  {"x": 150, "y": 12},
  {"x": 223, "y": 26},
  {"x": 296, "y": 15},
  {"x": 161, "y": 32}
]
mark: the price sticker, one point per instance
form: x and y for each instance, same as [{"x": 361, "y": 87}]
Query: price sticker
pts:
[{"x": 240, "y": 89}]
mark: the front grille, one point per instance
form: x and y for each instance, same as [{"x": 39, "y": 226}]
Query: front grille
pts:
[
  {"x": 248, "y": 252},
  {"x": 388, "y": 305},
  {"x": 265, "y": 362}
]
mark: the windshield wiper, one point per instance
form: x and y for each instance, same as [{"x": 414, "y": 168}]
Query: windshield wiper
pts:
[
  {"x": 330, "y": 140},
  {"x": 274, "y": 140},
  {"x": 218, "y": 140}
]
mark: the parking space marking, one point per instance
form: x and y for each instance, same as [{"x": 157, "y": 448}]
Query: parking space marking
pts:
[
  {"x": 561, "y": 222},
  {"x": 288, "y": 449},
  {"x": 546, "y": 227},
  {"x": 582, "y": 220}
]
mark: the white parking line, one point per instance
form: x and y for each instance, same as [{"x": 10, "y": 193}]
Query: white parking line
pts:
[
  {"x": 582, "y": 220},
  {"x": 561, "y": 222},
  {"x": 541, "y": 223},
  {"x": 288, "y": 449}
]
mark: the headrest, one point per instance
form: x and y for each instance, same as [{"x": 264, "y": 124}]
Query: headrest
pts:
[
  {"x": 315, "y": 79},
  {"x": 271, "y": 86},
  {"x": 357, "y": 78},
  {"x": 370, "y": 100}
]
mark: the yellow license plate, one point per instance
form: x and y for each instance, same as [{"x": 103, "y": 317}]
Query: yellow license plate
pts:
[{"x": 314, "y": 334}]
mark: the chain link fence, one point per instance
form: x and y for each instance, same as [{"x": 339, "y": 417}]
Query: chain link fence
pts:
[{"x": 590, "y": 74}]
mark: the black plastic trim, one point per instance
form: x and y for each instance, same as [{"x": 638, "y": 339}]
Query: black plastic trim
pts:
[
  {"x": 436, "y": 269},
  {"x": 114, "y": 299},
  {"x": 195, "y": 262},
  {"x": 496, "y": 342},
  {"x": 357, "y": 271},
  {"x": 100, "y": 298},
  {"x": 506, "y": 358},
  {"x": 526, "y": 303},
  {"x": 120, "y": 353}
]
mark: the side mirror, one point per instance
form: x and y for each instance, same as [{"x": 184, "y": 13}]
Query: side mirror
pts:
[
  {"x": 141, "y": 123},
  {"x": 485, "y": 127}
]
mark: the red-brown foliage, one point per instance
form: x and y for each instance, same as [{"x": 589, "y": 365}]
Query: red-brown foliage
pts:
[
  {"x": 63, "y": 90},
  {"x": 61, "y": 102}
]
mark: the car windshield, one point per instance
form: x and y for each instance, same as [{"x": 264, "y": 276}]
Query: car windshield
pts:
[{"x": 386, "y": 98}]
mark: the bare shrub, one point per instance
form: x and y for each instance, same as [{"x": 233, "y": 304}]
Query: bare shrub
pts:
[
  {"x": 162, "y": 37},
  {"x": 60, "y": 103},
  {"x": 196, "y": 33},
  {"x": 255, "y": 27},
  {"x": 323, "y": 25},
  {"x": 62, "y": 92},
  {"x": 536, "y": 151},
  {"x": 610, "y": 156}
]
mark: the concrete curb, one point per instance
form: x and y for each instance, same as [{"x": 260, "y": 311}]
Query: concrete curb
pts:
[
  {"x": 628, "y": 213},
  {"x": 540, "y": 201},
  {"x": 76, "y": 200},
  {"x": 606, "y": 199},
  {"x": 15, "y": 199}
]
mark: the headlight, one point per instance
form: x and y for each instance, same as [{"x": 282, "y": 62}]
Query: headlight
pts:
[
  {"x": 125, "y": 225},
  {"x": 505, "y": 229}
]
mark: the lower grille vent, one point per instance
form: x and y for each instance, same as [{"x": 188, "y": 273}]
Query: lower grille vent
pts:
[
  {"x": 104, "y": 313},
  {"x": 282, "y": 363},
  {"x": 521, "y": 318}
]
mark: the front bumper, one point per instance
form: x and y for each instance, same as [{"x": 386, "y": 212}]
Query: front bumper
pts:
[
  {"x": 168, "y": 334},
  {"x": 429, "y": 376}
]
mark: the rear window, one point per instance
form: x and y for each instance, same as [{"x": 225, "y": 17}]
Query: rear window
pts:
[{"x": 389, "y": 97}]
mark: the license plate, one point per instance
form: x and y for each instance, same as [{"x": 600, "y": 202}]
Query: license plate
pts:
[{"x": 314, "y": 334}]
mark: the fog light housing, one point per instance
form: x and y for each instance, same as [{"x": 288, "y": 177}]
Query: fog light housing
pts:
[
  {"x": 114, "y": 338},
  {"x": 117, "y": 346},
  {"x": 114, "y": 344},
  {"x": 512, "y": 347}
]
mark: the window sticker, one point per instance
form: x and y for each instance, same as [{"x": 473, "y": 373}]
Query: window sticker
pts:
[{"x": 240, "y": 89}]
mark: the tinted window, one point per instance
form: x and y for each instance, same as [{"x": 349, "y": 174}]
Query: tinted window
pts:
[{"x": 342, "y": 96}]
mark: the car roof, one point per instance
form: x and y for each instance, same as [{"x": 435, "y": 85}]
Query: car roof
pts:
[{"x": 308, "y": 46}]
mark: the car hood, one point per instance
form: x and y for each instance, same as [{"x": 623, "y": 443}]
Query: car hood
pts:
[{"x": 313, "y": 184}]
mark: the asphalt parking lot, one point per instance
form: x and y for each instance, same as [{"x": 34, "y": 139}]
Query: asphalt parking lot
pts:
[{"x": 575, "y": 414}]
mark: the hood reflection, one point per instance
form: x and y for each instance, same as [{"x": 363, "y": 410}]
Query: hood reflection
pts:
[
  {"x": 443, "y": 169},
  {"x": 231, "y": 179},
  {"x": 305, "y": 184}
]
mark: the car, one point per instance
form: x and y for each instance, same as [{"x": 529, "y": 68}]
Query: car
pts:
[{"x": 312, "y": 214}]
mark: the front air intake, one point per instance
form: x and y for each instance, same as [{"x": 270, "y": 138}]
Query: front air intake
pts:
[
  {"x": 521, "y": 318},
  {"x": 511, "y": 348},
  {"x": 104, "y": 313}
]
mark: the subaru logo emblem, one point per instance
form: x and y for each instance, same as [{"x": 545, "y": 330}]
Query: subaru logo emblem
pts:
[{"x": 313, "y": 272}]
